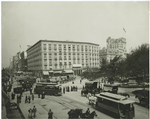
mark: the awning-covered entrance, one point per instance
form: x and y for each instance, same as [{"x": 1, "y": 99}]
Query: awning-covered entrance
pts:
[
  {"x": 57, "y": 72},
  {"x": 77, "y": 68},
  {"x": 45, "y": 73},
  {"x": 51, "y": 71},
  {"x": 68, "y": 71}
]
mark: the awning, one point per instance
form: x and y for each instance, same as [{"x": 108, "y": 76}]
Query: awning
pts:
[
  {"x": 45, "y": 73},
  {"x": 20, "y": 72},
  {"x": 68, "y": 71},
  {"x": 55, "y": 72},
  {"x": 51, "y": 71},
  {"x": 76, "y": 65}
]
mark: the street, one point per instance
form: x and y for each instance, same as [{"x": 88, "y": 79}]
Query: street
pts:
[{"x": 60, "y": 105}]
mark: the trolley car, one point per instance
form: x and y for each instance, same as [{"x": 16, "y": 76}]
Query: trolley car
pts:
[
  {"x": 48, "y": 89},
  {"x": 116, "y": 104}
]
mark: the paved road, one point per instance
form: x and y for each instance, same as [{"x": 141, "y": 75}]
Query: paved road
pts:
[{"x": 60, "y": 105}]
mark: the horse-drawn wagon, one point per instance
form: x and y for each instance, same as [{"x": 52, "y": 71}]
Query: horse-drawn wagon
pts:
[
  {"x": 91, "y": 87},
  {"x": 78, "y": 114}
]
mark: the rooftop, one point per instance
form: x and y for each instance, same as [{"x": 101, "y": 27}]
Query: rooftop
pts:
[{"x": 62, "y": 42}]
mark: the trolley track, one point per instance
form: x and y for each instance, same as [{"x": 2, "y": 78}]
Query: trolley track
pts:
[{"x": 73, "y": 104}]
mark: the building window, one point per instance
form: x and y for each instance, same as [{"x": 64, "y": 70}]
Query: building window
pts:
[
  {"x": 44, "y": 46},
  {"x": 60, "y": 53},
  {"x": 69, "y": 57},
  {"x": 82, "y": 48},
  {"x": 78, "y": 48},
  {"x": 45, "y": 67},
  {"x": 60, "y": 48},
  {"x": 45, "y": 57},
  {"x": 50, "y": 62},
  {"x": 65, "y": 64},
  {"x": 89, "y": 48},
  {"x": 55, "y": 47},
  {"x": 86, "y": 48},
  {"x": 69, "y": 64},
  {"x": 55, "y": 58},
  {"x": 49, "y": 46},
  {"x": 50, "y": 55},
  {"x": 69, "y": 48},
  {"x": 65, "y": 58},
  {"x": 60, "y": 64},
  {"x": 60, "y": 58}
]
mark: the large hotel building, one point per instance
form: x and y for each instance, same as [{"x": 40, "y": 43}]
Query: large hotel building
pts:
[{"x": 51, "y": 56}]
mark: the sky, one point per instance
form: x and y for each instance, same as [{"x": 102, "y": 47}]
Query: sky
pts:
[{"x": 25, "y": 23}]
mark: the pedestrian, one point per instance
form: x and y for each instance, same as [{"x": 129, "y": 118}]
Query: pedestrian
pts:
[
  {"x": 20, "y": 98},
  {"x": 32, "y": 96},
  {"x": 63, "y": 90},
  {"x": 34, "y": 111},
  {"x": 43, "y": 95},
  {"x": 29, "y": 98},
  {"x": 30, "y": 91},
  {"x": 50, "y": 114},
  {"x": 80, "y": 81},
  {"x": 30, "y": 113},
  {"x": 38, "y": 95},
  {"x": 76, "y": 88},
  {"x": 26, "y": 99},
  {"x": 88, "y": 112}
]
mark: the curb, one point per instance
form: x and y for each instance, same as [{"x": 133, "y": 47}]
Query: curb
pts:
[{"x": 21, "y": 113}]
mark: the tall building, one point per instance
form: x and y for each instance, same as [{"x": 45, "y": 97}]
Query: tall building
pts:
[
  {"x": 115, "y": 47},
  {"x": 23, "y": 61},
  {"x": 49, "y": 56}
]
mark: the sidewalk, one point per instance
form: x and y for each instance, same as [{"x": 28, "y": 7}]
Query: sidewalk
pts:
[
  {"x": 3, "y": 112},
  {"x": 24, "y": 107},
  {"x": 41, "y": 112}
]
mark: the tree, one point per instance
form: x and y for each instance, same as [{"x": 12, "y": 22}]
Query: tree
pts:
[{"x": 138, "y": 61}]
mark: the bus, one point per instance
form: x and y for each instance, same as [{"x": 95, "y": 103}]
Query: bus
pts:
[
  {"x": 48, "y": 88},
  {"x": 116, "y": 104}
]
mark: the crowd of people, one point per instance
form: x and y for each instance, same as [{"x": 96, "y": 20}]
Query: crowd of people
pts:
[
  {"x": 30, "y": 97},
  {"x": 69, "y": 88}
]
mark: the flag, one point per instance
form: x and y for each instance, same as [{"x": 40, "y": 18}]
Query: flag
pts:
[{"x": 124, "y": 30}]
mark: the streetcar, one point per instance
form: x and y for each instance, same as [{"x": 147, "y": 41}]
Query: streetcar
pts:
[
  {"x": 117, "y": 104},
  {"x": 48, "y": 88}
]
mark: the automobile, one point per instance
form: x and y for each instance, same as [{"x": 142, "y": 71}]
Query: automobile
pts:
[{"x": 13, "y": 105}]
